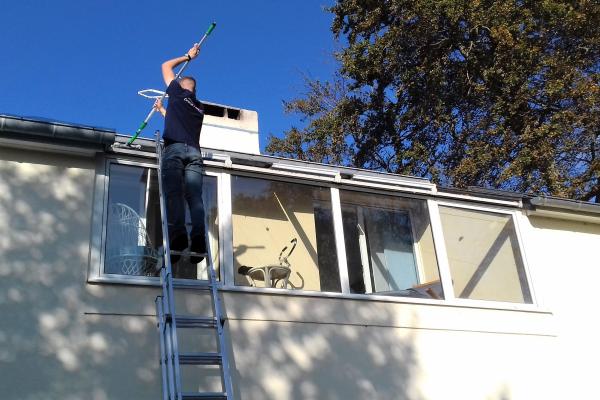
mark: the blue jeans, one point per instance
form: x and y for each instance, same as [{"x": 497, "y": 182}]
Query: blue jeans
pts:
[{"x": 182, "y": 178}]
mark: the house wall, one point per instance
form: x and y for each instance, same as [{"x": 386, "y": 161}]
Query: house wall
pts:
[
  {"x": 563, "y": 256},
  {"x": 61, "y": 338}
]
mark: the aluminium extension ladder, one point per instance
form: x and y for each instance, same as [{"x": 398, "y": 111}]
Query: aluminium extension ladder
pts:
[{"x": 169, "y": 322}]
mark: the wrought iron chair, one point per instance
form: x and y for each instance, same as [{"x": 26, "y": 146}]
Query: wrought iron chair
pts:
[
  {"x": 272, "y": 274},
  {"x": 132, "y": 252}
]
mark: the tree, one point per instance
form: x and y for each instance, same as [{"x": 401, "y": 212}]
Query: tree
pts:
[{"x": 501, "y": 94}]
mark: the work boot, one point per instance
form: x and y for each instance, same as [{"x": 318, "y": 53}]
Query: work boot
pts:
[
  {"x": 178, "y": 243},
  {"x": 198, "y": 246}
]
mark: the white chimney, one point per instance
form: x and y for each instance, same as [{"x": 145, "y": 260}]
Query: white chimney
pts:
[{"x": 229, "y": 128}]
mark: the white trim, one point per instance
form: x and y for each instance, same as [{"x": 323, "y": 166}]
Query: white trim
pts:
[
  {"x": 304, "y": 169},
  {"x": 439, "y": 244},
  {"x": 394, "y": 181},
  {"x": 365, "y": 259},
  {"x": 223, "y": 174},
  {"x": 97, "y": 225},
  {"x": 340, "y": 242},
  {"x": 465, "y": 303},
  {"x": 477, "y": 207},
  {"x": 513, "y": 217},
  {"x": 460, "y": 303},
  {"x": 518, "y": 221},
  {"x": 226, "y": 229}
]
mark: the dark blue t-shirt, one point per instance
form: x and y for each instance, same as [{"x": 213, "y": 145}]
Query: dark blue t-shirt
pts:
[{"x": 185, "y": 114}]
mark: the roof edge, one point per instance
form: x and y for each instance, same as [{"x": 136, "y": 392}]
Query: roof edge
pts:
[{"x": 54, "y": 133}]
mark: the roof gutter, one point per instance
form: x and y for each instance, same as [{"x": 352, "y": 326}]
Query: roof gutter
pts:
[
  {"x": 564, "y": 209},
  {"x": 53, "y": 136}
]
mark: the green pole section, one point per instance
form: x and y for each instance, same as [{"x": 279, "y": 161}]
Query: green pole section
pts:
[
  {"x": 210, "y": 28},
  {"x": 137, "y": 133}
]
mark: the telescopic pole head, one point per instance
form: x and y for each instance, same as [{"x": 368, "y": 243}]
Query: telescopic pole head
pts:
[{"x": 210, "y": 28}]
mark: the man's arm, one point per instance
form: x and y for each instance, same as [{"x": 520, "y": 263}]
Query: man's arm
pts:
[{"x": 168, "y": 66}]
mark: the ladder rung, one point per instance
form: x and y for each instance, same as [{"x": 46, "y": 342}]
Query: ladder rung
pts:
[
  {"x": 184, "y": 321},
  {"x": 209, "y": 396},
  {"x": 188, "y": 253},
  {"x": 200, "y": 358},
  {"x": 192, "y": 285}
]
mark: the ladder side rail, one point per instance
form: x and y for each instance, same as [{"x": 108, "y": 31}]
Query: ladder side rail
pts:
[
  {"x": 167, "y": 337},
  {"x": 168, "y": 274},
  {"x": 218, "y": 312},
  {"x": 161, "y": 339}
]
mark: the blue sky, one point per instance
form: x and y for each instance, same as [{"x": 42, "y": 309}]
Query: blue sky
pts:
[{"x": 84, "y": 61}]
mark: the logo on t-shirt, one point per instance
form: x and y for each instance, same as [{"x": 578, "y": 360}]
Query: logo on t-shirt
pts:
[{"x": 191, "y": 103}]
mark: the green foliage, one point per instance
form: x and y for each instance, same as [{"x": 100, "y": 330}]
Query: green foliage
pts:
[{"x": 498, "y": 94}]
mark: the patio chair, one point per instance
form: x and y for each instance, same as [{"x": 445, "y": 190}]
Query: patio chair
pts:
[
  {"x": 272, "y": 274},
  {"x": 132, "y": 251}
]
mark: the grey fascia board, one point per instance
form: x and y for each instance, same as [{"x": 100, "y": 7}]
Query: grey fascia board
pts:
[
  {"x": 565, "y": 205},
  {"x": 56, "y": 133}
]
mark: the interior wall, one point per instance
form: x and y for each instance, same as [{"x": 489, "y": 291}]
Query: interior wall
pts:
[{"x": 263, "y": 225}]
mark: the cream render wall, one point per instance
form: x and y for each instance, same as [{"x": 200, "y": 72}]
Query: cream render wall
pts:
[
  {"x": 565, "y": 265},
  {"x": 314, "y": 348},
  {"x": 61, "y": 338}
]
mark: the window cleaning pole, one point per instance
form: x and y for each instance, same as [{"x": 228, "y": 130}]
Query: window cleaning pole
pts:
[{"x": 145, "y": 122}]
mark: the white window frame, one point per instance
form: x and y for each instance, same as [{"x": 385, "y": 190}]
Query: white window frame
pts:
[
  {"x": 444, "y": 263},
  {"x": 337, "y": 228},
  {"x": 224, "y": 171},
  {"x": 96, "y": 272}
]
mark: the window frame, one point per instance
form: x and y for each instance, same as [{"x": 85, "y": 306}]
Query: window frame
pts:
[
  {"x": 224, "y": 171},
  {"x": 282, "y": 177},
  {"x": 447, "y": 282},
  {"x": 416, "y": 247},
  {"x": 96, "y": 272}
]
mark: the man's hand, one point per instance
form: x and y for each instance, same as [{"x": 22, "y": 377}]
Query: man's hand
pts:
[
  {"x": 194, "y": 51},
  {"x": 167, "y": 66},
  {"x": 158, "y": 106}
]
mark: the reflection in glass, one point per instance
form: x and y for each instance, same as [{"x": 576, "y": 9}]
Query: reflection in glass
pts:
[{"x": 389, "y": 246}]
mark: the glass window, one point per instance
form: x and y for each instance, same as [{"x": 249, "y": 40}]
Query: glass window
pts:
[
  {"x": 134, "y": 241},
  {"x": 283, "y": 235},
  {"x": 389, "y": 246},
  {"x": 484, "y": 256}
]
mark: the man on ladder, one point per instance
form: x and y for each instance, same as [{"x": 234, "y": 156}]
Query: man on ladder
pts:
[{"x": 182, "y": 159}]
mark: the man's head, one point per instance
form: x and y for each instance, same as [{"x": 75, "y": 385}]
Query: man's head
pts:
[{"x": 189, "y": 83}]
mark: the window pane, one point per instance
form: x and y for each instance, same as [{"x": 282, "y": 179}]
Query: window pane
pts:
[
  {"x": 268, "y": 218},
  {"x": 389, "y": 246},
  {"x": 484, "y": 256},
  {"x": 134, "y": 229}
]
